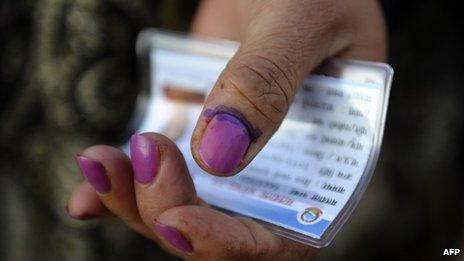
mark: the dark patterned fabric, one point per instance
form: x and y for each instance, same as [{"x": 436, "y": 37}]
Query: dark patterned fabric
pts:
[{"x": 68, "y": 79}]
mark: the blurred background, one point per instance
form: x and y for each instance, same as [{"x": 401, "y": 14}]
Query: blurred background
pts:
[{"x": 68, "y": 79}]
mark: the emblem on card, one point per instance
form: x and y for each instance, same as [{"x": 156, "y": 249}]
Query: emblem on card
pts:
[{"x": 309, "y": 216}]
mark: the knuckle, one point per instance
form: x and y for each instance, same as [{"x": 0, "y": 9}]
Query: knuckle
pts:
[
  {"x": 266, "y": 86},
  {"x": 259, "y": 248}
]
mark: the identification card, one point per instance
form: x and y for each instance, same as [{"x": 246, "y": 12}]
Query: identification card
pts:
[{"x": 310, "y": 176}]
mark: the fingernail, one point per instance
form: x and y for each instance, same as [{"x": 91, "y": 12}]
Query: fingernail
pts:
[
  {"x": 145, "y": 158},
  {"x": 174, "y": 237},
  {"x": 94, "y": 173},
  {"x": 224, "y": 143}
]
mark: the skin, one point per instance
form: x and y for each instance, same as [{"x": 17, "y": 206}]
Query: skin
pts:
[
  {"x": 210, "y": 113},
  {"x": 281, "y": 42}
]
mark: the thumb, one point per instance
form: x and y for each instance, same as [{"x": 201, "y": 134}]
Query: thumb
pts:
[{"x": 254, "y": 92}]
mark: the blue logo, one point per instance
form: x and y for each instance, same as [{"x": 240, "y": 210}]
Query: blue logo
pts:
[{"x": 309, "y": 215}]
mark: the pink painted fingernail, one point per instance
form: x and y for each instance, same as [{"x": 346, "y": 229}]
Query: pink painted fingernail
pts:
[
  {"x": 145, "y": 158},
  {"x": 94, "y": 173},
  {"x": 174, "y": 237},
  {"x": 224, "y": 143}
]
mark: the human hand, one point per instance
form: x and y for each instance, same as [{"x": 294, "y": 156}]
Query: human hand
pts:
[
  {"x": 154, "y": 195},
  {"x": 281, "y": 43}
]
